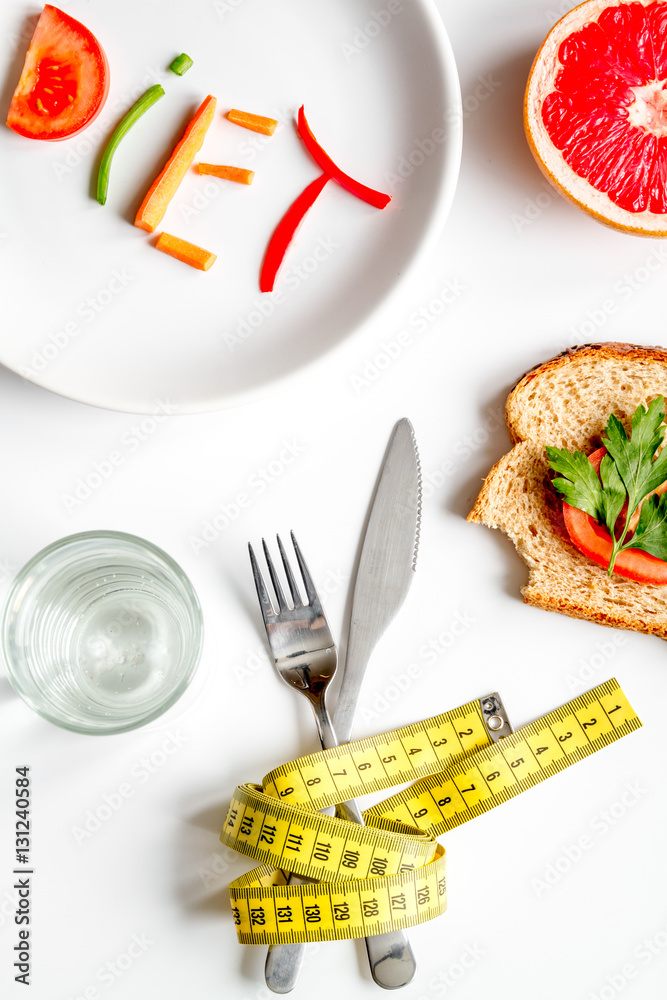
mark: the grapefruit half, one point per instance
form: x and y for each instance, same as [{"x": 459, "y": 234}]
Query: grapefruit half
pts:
[{"x": 595, "y": 112}]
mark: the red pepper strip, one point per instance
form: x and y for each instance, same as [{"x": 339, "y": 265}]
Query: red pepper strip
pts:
[
  {"x": 285, "y": 230},
  {"x": 325, "y": 162}
]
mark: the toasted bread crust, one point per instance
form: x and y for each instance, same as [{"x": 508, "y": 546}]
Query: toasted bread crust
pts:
[
  {"x": 566, "y": 402},
  {"x": 598, "y": 379}
]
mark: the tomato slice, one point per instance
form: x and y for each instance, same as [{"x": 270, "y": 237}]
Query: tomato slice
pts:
[
  {"x": 595, "y": 541},
  {"x": 64, "y": 81}
]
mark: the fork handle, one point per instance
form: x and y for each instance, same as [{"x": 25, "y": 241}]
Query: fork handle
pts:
[
  {"x": 283, "y": 961},
  {"x": 390, "y": 955}
]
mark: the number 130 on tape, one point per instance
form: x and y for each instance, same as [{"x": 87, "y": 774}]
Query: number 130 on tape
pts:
[{"x": 391, "y": 873}]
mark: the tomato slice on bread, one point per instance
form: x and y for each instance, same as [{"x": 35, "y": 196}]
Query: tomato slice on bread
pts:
[
  {"x": 64, "y": 81},
  {"x": 595, "y": 542}
]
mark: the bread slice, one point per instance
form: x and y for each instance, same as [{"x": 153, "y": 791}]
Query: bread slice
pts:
[{"x": 566, "y": 402}]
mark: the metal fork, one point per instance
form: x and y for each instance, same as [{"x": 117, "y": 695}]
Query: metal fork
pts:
[{"x": 305, "y": 657}]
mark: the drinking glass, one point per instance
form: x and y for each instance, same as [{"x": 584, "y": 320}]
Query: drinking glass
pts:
[{"x": 101, "y": 632}]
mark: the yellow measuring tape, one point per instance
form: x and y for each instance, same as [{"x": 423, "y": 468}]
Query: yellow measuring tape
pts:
[{"x": 391, "y": 873}]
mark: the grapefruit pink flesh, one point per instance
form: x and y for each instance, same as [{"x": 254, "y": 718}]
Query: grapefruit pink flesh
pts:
[
  {"x": 607, "y": 113},
  {"x": 596, "y": 111}
]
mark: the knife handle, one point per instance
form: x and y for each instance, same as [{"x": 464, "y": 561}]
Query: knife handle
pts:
[
  {"x": 284, "y": 961},
  {"x": 390, "y": 955}
]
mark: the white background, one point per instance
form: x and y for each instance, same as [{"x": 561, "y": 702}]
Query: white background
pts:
[{"x": 534, "y": 275}]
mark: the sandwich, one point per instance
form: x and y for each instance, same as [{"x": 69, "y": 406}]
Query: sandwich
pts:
[{"x": 581, "y": 492}]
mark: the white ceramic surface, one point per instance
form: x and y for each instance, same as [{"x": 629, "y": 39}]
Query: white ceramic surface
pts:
[{"x": 114, "y": 323}]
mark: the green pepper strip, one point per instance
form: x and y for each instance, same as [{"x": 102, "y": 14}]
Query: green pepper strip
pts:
[
  {"x": 181, "y": 64},
  {"x": 152, "y": 95}
]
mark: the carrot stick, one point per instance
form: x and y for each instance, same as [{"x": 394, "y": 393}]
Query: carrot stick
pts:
[
  {"x": 238, "y": 174},
  {"x": 189, "y": 253},
  {"x": 256, "y": 123},
  {"x": 165, "y": 185}
]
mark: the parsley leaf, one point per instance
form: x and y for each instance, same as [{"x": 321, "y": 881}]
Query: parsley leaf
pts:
[
  {"x": 613, "y": 494},
  {"x": 651, "y": 531},
  {"x": 580, "y": 485},
  {"x": 633, "y": 456},
  {"x": 629, "y": 472}
]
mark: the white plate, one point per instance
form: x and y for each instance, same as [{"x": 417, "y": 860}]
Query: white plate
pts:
[{"x": 93, "y": 312}]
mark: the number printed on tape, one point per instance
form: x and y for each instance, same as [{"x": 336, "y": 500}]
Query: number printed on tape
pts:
[{"x": 391, "y": 873}]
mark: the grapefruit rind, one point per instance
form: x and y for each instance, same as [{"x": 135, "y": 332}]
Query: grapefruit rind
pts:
[{"x": 549, "y": 158}]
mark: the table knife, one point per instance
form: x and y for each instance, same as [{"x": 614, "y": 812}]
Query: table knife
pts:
[{"x": 386, "y": 568}]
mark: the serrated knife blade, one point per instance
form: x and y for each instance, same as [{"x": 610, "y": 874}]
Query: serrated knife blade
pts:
[{"x": 386, "y": 567}]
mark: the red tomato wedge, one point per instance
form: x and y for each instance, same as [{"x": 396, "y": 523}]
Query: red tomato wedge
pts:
[
  {"x": 64, "y": 81},
  {"x": 595, "y": 541}
]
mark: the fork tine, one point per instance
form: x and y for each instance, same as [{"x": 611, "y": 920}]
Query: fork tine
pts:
[
  {"x": 294, "y": 590},
  {"x": 280, "y": 597},
  {"x": 313, "y": 598},
  {"x": 262, "y": 593}
]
